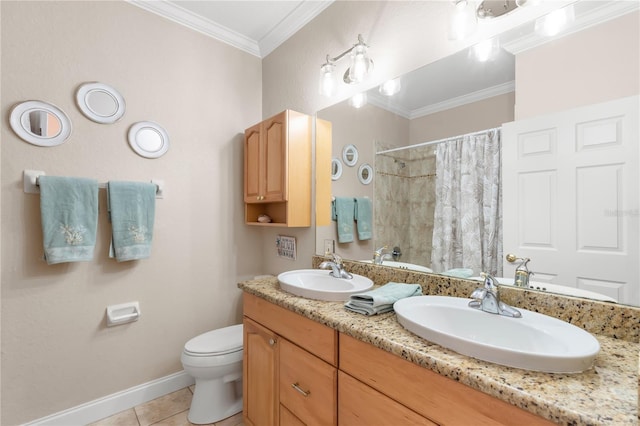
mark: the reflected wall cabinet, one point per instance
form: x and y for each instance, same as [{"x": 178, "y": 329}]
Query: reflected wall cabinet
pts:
[{"x": 277, "y": 170}]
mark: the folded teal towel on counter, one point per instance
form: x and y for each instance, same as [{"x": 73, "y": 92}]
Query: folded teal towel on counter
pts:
[
  {"x": 131, "y": 208},
  {"x": 381, "y": 300},
  {"x": 459, "y": 272},
  {"x": 363, "y": 218},
  {"x": 342, "y": 211},
  {"x": 69, "y": 211}
]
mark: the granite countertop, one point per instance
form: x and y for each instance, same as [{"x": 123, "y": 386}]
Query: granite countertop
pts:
[{"x": 604, "y": 394}]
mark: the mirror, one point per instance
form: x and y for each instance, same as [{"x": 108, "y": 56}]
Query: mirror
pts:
[
  {"x": 393, "y": 220},
  {"x": 40, "y": 123},
  {"x": 336, "y": 168},
  {"x": 350, "y": 155},
  {"x": 365, "y": 174},
  {"x": 148, "y": 139},
  {"x": 100, "y": 102}
]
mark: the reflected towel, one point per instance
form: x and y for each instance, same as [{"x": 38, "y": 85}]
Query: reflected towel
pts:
[
  {"x": 342, "y": 211},
  {"x": 381, "y": 300},
  {"x": 363, "y": 217},
  {"x": 69, "y": 210},
  {"x": 131, "y": 208},
  {"x": 459, "y": 272}
]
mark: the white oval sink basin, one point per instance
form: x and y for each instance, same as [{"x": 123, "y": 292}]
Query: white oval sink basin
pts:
[
  {"x": 534, "y": 342},
  {"x": 318, "y": 284},
  {"x": 556, "y": 288},
  {"x": 402, "y": 265}
]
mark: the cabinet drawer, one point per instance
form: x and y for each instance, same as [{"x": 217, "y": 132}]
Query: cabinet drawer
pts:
[
  {"x": 360, "y": 404},
  {"x": 307, "y": 385},
  {"x": 320, "y": 340},
  {"x": 436, "y": 397}
]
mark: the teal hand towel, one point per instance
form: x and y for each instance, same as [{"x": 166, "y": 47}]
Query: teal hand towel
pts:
[
  {"x": 381, "y": 300},
  {"x": 363, "y": 217},
  {"x": 132, "y": 211},
  {"x": 343, "y": 213},
  {"x": 69, "y": 210},
  {"x": 458, "y": 272}
]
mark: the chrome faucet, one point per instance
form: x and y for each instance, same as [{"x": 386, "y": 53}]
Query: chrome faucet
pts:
[
  {"x": 337, "y": 269},
  {"x": 522, "y": 272},
  {"x": 381, "y": 254},
  {"x": 487, "y": 299}
]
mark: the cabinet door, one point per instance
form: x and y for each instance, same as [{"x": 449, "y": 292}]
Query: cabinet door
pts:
[
  {"x": 307, "y": 385},
  {"x": 252, "y": 167},
  {"x": 359, "y": 404},
  {"x": 260, "y": 370},
  {"x": 275, "y": 150}
]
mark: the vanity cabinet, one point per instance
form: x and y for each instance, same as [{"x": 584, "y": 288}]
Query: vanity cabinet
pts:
[
  {"x": 289, "y": 366},
  {"x": 387, "y": 380},
  {"x": 277, "y": 170}
]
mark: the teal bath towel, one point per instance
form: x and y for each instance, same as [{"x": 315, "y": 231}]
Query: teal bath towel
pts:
[
  {"x": 381, "y": 300},
  {"x": 363, "y": 218},
  {"x": 343, "y": 213},
  {"x": 458, "y": 272},
  {"x": 69, "y": 210},
  {"x": 132, "y": 211}
]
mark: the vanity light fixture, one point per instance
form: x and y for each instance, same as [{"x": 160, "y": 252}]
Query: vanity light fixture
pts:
[
  {"x": 359, "y": 69},
  {"x": 390, "y": 87}
]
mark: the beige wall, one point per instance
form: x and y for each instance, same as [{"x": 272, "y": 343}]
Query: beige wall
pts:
[
  {"x": 56, "y": 351},
  {"x": 598, "y": 64}
]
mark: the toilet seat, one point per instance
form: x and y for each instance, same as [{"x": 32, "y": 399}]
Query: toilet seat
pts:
[{"x": 222, "y": 341}]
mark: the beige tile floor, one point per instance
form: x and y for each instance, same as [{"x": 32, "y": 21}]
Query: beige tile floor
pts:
[{"x": 168, "y": 410}]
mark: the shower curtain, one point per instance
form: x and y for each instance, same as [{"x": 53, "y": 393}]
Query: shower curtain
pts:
[{"x": 467, "y": 229}]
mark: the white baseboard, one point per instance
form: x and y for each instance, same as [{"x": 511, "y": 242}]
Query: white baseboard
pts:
[{"x": 109, "y": 405}]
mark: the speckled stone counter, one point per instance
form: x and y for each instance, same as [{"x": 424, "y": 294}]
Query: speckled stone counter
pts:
[{"x": 605, "y": 394}]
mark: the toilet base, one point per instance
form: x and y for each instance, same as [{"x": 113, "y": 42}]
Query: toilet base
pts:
[{"x": 214, "y": 400}]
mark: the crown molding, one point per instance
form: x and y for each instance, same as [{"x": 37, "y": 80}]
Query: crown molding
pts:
[
  {"x": 298, "y": 18},
  {"x": 598, "y": 15},
  {"x": 288, "y": 26},
  {"x": 386, "y": 102}
]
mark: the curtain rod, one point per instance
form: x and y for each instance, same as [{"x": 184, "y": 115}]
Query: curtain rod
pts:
[{"x": 438, "y": 141}]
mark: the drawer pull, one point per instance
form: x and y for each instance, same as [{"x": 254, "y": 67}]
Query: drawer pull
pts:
[
  {"x": 272, "y": 342},
  {"x": 299, "y": 389}
]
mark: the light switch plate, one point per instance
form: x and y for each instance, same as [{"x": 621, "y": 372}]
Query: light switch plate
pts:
[{"x": 329, "y": 247}]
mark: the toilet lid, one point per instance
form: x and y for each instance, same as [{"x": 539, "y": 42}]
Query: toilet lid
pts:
[{"x": 220, "y": 341}]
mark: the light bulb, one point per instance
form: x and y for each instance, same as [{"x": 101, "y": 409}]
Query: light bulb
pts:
[
  {"x": 390, "y": 87},
  {"x": 328, "y": 81},
  {"x": 463, "y": 20},
  {"x": 486, "y": 50},
  {"x": 358, "y": 100},
  {"x": 361, "y": 65},
  {"x": 551, "y": 24}
]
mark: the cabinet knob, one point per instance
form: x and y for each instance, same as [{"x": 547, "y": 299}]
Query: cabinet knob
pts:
[
  {"x": 299, "y": 389},
  {"x": 272, "y": 342}
]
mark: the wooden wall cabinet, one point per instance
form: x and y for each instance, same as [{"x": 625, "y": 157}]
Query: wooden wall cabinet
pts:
[
  {"x": 289, "y": 366},
  {"x": 277, "y": 170}
]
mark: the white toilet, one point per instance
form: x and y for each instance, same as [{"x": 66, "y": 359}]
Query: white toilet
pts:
[{"x": 214, "y": 359}]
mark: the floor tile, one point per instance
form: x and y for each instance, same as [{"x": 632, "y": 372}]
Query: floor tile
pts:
[
  {"x": 164, "y": 407},
  {"x": 125, "y": 418},
  {"x": 232, "y": 421}
]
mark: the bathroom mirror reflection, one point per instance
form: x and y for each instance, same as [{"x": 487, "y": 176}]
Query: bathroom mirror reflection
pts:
[
  {"x": 395, "y": 222},
  {"x": 40, "y": 123},
  {"x": 336, "y": 168},
  {"x": 350, "y": 155}
]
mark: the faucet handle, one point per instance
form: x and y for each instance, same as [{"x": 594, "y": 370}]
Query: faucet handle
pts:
[{"x": 489, "y": 280}]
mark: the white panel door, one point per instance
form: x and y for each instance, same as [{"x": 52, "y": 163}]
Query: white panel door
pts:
[{"x": 571, "y": 197}]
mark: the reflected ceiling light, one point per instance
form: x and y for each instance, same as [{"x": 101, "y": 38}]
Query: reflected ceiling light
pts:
[
  {"x": 486, "y": 50},
  {"x": 463, "y": 21},
  {"x": 391, "y": 87},
  {"x": 360, "y": 68},
  {"x": 554, "y": 22},
  {"x": 358, "y": 100}
]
